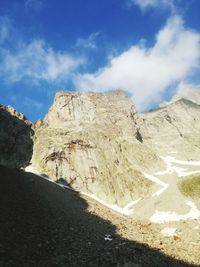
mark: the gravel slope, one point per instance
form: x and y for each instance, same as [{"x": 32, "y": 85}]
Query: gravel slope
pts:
[{"x": 42, "y": 224}]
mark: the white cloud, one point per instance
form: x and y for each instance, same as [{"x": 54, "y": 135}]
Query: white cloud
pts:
[
  {"x": 147, "y": 72},
  {"x": 5, "y": 28},
  {"x": 38, "y": 62},
  {"x": 89, "y": 42},
  {"x": 144, "y": 4}
]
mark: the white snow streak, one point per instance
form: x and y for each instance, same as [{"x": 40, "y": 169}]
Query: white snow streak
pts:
[
  {"x": 127, "y": 210},
  {"x": 159, "y": 216},
  {"x": 182, "y": 162},
  {"x": 168, "y": 231},
  {"x": 171, "y": 216},
  {"x": 157, "y": 181},
  {"x": 181, "y": 172},
  {"x": 32, "y": 170}
]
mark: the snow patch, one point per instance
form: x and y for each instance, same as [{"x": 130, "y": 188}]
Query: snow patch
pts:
[
  {"x": 168, "y": 231},
  {"x": 170, "y": 216},
  {"x": 127, "y": 210},
  {"x": 181, "y": 162},
  {"x": 181, "y": 172},
  {"x": 32, "y": 170},
  {"x": 157, "y": 181}
]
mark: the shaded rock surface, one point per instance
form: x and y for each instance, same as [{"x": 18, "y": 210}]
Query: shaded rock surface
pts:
[
  {"x": 42, "y": 224},
  {"x": 174, "y": 129},
  {"x": 16, "y": 143},
  {"x": 94, "y": 142}
]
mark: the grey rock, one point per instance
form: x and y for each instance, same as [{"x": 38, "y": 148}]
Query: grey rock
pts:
[
  {"x": 175, "y": 130},
  {"x": 94, "y": 142}
]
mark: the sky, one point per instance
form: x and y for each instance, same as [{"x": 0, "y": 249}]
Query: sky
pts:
[{"x": 146, "y": 47}]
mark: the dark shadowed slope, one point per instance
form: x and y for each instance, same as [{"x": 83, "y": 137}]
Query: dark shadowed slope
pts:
[
  {"x": 42, "y": 224},
  {"x": 16, "y": 144}
]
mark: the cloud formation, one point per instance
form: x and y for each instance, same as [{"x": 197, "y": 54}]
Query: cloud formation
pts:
[
  {"x": 89, "y": 42},
  {"x": 144, "y": 4},
  {"x": 5, "y": 27},
  {"x": 33, "y": 61},
  {"x": 36, "y": 61},
  {"x": 145, "y": 73}
]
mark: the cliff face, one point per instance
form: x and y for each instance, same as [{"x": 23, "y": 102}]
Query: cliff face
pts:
[
  {"x": 94, "y": 142},
  {"x": 16, "y": 143},
  {"x": 174, "y": 129},
  {"x": 98, "y": 143}
]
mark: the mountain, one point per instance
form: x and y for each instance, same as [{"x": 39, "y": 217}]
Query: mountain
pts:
[
  {"x": 16, "y": 144},
  {"x": 100, "y": 145},
  {"x": 189, "y": 92},
  {"x": 174, "y": 129},
  {"x": 94, "y": 143},
  {"x": 94, "y": 146}
]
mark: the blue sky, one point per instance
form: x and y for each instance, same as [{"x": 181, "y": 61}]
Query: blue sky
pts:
[{"x": 148, "y": 48}]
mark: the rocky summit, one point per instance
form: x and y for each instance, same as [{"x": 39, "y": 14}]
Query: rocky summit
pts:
[{"x": 94, "y": 143}]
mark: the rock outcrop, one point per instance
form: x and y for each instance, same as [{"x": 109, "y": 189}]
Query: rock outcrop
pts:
[
  {"x": 174, "y": 130},
  {"x": 188, "y": 92},
  {"x": 16, "y": 143},
  {"x": 94, "y": 142},
  {"x": 98, "y": 144}
]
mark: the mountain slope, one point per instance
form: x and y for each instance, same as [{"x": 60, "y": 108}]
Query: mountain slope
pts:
[
  {"x": 42, "y": 224},
  {"x": 93, "y": 141},
  {"x": 175, "y": 129}
]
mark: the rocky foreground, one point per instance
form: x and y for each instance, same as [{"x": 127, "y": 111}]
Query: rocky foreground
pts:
[{"x": 43, "y": 224}]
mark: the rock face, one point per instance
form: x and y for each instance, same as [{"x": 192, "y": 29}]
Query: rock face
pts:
[
  {"x": 174, "y": 129},
  {"x": 16, "y": 143},
  {"x": 188, "y": 92},
  {"x": 94, "y": 142}
]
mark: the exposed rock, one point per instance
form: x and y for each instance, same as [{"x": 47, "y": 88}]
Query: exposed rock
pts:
[
  {"x": 174, "y": 129},
  {"x": 16, "y": 143},
  {"x": 189, "y": 92},
  {"x": 94, "y": 141},
  {"x": 38, "y": 124}
]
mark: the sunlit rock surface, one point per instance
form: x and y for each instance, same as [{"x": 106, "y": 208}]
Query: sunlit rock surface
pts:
[
  {"x": 94, "y": 142},
  {"x": 174, "y": 129}
]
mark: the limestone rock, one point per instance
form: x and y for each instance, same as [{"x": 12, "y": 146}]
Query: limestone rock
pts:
[
  {"x": 174, "y": 130},
  {"x": 189, "y": 92},
  {"x": 94, "y": 142},
  {"x": 16, "y": 143}
]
